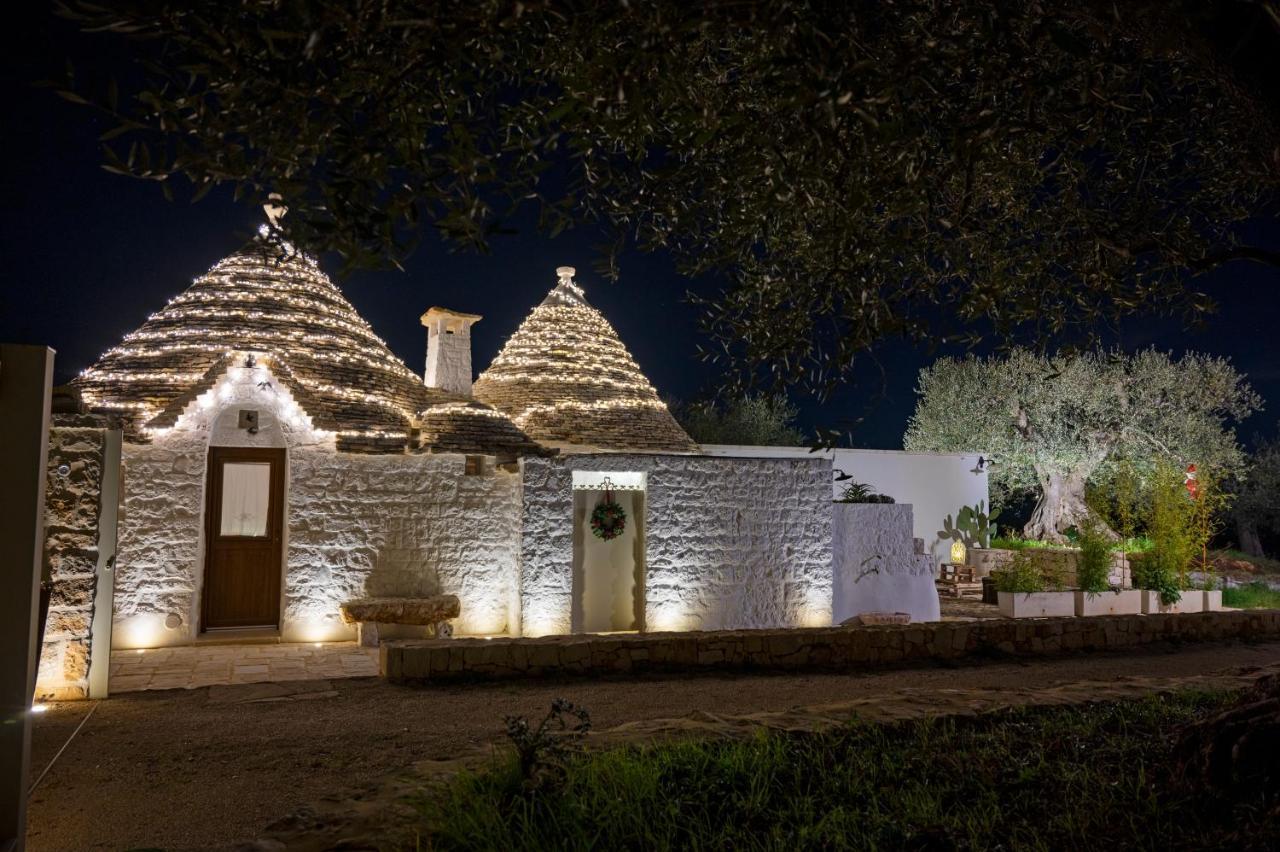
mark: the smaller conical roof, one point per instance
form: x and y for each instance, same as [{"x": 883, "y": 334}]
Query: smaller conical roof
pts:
[{"x": 565, "y": 377}]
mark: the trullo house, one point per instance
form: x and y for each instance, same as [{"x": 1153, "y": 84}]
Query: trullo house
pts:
[{"x": 279, "y": 461}]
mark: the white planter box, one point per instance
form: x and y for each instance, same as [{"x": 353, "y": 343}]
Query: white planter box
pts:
[
  {"x": 1127, "y": 602},
  {"x": 1037, "y": 604},
  {"x": 1213, "y": 601},
  {"x": 1191, "y": 601}
]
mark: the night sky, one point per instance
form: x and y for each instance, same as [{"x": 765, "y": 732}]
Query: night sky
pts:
[{"x": 88, "y": 255}]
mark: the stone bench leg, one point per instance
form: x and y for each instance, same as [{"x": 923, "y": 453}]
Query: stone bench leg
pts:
[{"x": 367, "y": 634}]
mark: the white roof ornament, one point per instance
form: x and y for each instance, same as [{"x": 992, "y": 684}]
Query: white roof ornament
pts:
[
  {"x": 566, "y": 291},
  {"x": 275, "y": 209}
]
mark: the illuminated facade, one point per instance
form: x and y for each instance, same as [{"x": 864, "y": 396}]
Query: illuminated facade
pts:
[{"x": 393, "y": 484}]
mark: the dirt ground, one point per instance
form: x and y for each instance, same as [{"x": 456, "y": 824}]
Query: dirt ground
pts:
[{"x": 211, "y": 767}]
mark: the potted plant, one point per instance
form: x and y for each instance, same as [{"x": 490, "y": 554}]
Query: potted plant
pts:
[
  {"x": 1096, "y": 596},
  {"x": 1022, "y": 590}
]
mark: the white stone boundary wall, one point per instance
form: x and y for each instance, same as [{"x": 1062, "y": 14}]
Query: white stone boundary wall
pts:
[{"x": 729, "y": 542}]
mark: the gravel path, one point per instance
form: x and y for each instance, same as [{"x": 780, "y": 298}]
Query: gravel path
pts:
[{"x": 208, "y": 767}]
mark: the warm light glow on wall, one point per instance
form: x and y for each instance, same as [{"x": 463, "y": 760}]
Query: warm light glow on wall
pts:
[
  {"x": 542, "y": 619},
  {"x": 144, "y": 630},
  {"x": 667, "y": 619},
  {"x": 318, "y": 628}
]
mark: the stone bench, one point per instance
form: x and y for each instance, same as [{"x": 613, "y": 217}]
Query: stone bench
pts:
[{"x": 372, "y": 616}]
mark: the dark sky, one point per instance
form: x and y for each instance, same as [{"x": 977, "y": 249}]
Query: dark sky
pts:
[{"x": 88, "y": 255}]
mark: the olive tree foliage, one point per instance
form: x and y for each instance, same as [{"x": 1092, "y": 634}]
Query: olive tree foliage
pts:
[
  {"x": 1257, "y": 499},
  {"x": 928, "y": 169},
  {"x": 753, "y": 420},
  {"x": 1051, "y": 422}
]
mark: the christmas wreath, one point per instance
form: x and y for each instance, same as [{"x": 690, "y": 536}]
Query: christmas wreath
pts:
[{"x": 608, "y": 520}]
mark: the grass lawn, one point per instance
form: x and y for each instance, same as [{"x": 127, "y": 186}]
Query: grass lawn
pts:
[
  {"x": 1045, "y": 778},
  {"x": 1252, "y": 596}
]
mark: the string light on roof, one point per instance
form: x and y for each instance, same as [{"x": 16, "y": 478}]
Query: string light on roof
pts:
[
  {"x": 566, "y": 377},
  {"x": 267, "y": 298}
]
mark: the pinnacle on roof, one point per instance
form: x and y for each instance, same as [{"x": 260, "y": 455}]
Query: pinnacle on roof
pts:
[{"x": 566, "y": 377}]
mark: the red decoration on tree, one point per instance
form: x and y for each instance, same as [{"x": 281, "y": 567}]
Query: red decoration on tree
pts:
[{"x": 1193, "y": 486}]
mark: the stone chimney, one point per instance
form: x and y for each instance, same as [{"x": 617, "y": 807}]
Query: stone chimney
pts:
[{"x": 449, "y": 350}]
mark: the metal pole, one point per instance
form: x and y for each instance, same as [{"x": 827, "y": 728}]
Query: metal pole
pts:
[
  {"x": 26, "y": 376},
  {"x": 104, "y": 593}
]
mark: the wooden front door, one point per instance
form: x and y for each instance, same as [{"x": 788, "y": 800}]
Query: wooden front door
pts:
[{"x": 244, "y": 521}]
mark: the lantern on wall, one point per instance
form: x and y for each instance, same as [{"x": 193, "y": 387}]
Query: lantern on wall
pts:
[{"x": 958, "y": 553}]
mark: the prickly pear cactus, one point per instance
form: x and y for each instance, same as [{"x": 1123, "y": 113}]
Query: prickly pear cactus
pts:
[{"x": 971, "y": 526}]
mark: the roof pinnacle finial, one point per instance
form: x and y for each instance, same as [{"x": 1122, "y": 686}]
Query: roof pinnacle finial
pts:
[
  {"x": 565, "y": 274},
  {"x": 275, "y": 209}
]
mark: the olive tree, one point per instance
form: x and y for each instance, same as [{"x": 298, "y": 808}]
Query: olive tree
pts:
[
  {"x": 1050, "y": 422},
  {"x": 1257, "y": 503},
  {"x": 753, "y": 420},
  {"x": 929, "y": 169}
]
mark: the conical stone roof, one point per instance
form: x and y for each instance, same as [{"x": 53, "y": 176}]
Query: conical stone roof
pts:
[
  {"x": 269, "y": 299},
  {"x": 565, "y": 377}
]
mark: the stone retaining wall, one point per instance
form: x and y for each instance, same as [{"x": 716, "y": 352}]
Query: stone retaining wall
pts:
[
  {"x": 71, "y": 515},
  {"x": 818, "y": 648}
]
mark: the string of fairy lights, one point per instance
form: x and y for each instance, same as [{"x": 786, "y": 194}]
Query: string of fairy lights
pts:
[
  {"x": 566, "y": 359},
  {"x": 255, "y": 304}
]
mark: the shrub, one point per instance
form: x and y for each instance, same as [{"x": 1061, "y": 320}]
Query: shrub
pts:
[
  {"x": 1171, "y": 527},
  {"x": 1094, "y": 567},
  {"x": 860, "y": 492},
  {"x": 1013, "y": 541},
  {"x": 542, "y": 752},
  {"x": 1021, "y": 575}
]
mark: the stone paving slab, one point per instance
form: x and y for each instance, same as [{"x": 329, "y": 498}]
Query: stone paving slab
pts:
[{"x": 194, "y": 666}]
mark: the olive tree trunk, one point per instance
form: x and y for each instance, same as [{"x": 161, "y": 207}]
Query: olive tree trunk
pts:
[
  {"x": 1250, "y": 542},
  {"x": 1061, "y": 506}
]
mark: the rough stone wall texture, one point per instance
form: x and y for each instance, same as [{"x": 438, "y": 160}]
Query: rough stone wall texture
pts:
[
  {"x": 1058, "y": 561},
  {"x": 729, "y": 542},
  {"x": 72, "y": 506},
  {"x": 393, "y": 526},
  {"x": 875, "y": 566},
  {"x": 356, "y": 525},
  {"x": 449, "y": 357},
  {"x": 822, "y": 649}
]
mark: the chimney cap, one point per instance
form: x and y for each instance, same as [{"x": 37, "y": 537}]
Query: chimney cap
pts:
[{"x": 435, "y": 311}]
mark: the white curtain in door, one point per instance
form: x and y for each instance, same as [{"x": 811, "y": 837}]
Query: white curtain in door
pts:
[{"x": 246, "y": 498}]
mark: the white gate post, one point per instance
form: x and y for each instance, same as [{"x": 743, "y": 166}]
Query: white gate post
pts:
[{"x": 26, "y": 377}]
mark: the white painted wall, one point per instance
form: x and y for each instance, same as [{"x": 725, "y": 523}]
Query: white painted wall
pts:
[
  {"x": 874, "y": 564},
  {"x": 729, "y": 543},
  {"x": 935, "y": 484},
  {"x": 356, "y": 525}
]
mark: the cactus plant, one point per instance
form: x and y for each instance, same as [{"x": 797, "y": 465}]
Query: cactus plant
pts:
[{"x": 971, "y": 526}]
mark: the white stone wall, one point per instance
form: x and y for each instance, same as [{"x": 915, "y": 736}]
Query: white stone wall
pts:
[
  {"x": 729, "y": 543},
  {"x": 370, "y": 526},
  {"x": 935, "y": 484},
  {"x": 356, "y": 525},
  {"x": 875, "y": 565}
]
